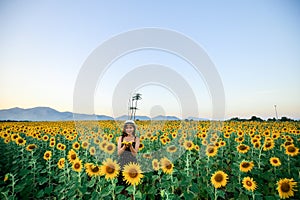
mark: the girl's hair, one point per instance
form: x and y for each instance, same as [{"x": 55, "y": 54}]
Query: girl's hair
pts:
[{"x": 124, "y": 134}]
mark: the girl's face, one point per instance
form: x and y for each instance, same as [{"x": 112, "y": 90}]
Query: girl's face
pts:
[{"x": 129, "y": 129}]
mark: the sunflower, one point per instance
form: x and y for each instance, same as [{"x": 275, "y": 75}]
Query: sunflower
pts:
[
  {"x": 257, "y": 145},
  {"x": 47, "y": 155},
  {"x": 172, "y": 149},
  {"x": 155, "y": 164},
  {"x": 287, "y": 143},
  {"x": 222, "y": 143},
  {"x": 30, "y": 147},
  {"x": 166, "y": 165},
  {"x": 103, "y": 144},
  {"x": 92, "y": 170},
  {"x": 45, "y": 138},
  {"x": 132, "y": 173},
  {"x": 188, "y": 145},
  {"x": 196, "y": 147},
  {"x": 242, "y": 148},
  {"x": 211, "y": 151},
  {"x": 61, "y": 163},
  {"x": 97, "y": 141},
  {"x": 246, "y": 166},
  {"x": 77, "y": 165},
  {"x": 286, "y": 187},
  {"x": 204, "y": 142},
  {"x": 76, "y": 145},
  {"x": 239, "y": 139},
  {"x": 85, "y": 144},
  {"x": 249, "y": 184},
  {"x": 92, "y": 151},
  {"x": 72, "y": 156},
  {"x": 59, "y": 146},
  {"x": 110, "y": 148},
  {"x": 110, "y": 169},
  {"x": 20, "y": 141},
  {"x": 52, "y": 144},
  {"x": 268, "y": 145},
  {"x": 14, "y": 136},
  {"x": 291, "y": 150},
  {"x": 147, "y": 155},
  {"x": 141, "y": 146},
  {"x": 275, "y": 161},
  {"x": 219, "y": 179}
]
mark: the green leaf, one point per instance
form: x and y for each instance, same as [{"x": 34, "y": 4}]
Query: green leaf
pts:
[
  {"x": 48, "y": 190},
  {"x": 40, "y": 194},
  {"x": 19, "y": 188},
  {"x": 105, "y": 192},
  {"x": 91, "y": 183},
  {"x": 188, "y": 195},
  {"x": 138, "y": 195},
  {"x": 243, "y": 197},
  {"x": 42, "y": 180},
  {"x": 130, "y": 189},
  {"x": 195, "y": 188},
  {"x": 119, "y": 189}
]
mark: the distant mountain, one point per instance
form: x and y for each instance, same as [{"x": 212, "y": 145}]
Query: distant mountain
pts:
[
  {"x": 50, "y": 114},
  {"x": 197, "y": 119},
  {"x": 125, "y": 117},
  {"x": 45, "y": 114},
  {"x": 161, "y": 117}
]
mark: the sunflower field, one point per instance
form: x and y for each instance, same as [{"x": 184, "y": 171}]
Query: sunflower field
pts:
[{"x": 176, "y": 160}]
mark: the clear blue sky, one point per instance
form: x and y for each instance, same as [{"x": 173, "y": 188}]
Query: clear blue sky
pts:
[{"x": 255, "y": 46}]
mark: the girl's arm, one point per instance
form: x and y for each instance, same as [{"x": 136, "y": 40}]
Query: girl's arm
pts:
[
  {"x": 137, "y": 145},
  {"x": 120, "y": 149}
]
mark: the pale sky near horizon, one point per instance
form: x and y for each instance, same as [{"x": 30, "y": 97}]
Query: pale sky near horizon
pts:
[{"x": 254, "y": 45}]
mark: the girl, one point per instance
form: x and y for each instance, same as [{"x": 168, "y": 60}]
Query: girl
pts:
[{"x": 128, "y": 146}]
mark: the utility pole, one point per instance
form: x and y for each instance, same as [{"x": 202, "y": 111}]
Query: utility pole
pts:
[{"x": 276, "y": 112}]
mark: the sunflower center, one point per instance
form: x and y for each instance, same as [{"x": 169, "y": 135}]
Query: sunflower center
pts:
[
  {"x": 275, "y": 161},
  {"x": 20, "y": 140},
  {"x": 31, "y": 147},
  {"x": 133, "y": 173},
  {"x": 168, "y": 166},
  {"x": 210, "y": 150},
  {"x": 73, "y": 156},
  {"x": 268, "y": 144},
  {"x": 95, "y": 169},
  {"x": 110, "y": 169},
  {"x": 47, "y": 155},
  {"x": 242, "y": 147},
  {"x": 285, "y": 187},
  {"x": 77, "y": 166},
  {"x": 291, "y": 149},
  {"x": 219, "y": 178},
  {"x": 245, "y": 164},
  {"x": 249, "y": 183},
  {"x": 288, "y": 143},
  {"x": 109, "y": 148},
  {"x": 172, "y": 148}
]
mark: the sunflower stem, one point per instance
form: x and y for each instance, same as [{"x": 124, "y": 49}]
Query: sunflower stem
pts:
[
  {"x": 49, "y": 172},
  {"x": 259, "y": 156},
  {"x": 253, "y": 195},
  {"x": 289, "y": 166},
  {"x": 216, "y": 197},
  {"x": 172, "y": 183},
  {"x": 133, "y": 192},
  {"x": 187, "y": 163},
  {"x": 113, "y": 189}
]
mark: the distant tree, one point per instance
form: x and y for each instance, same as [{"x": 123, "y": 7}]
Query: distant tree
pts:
[
  {"x": 256, "y": 119},
  {"x": 286, "y": 119},
  {"x": 132, "y": 108},
  {"x": 271, "y": 119}
]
